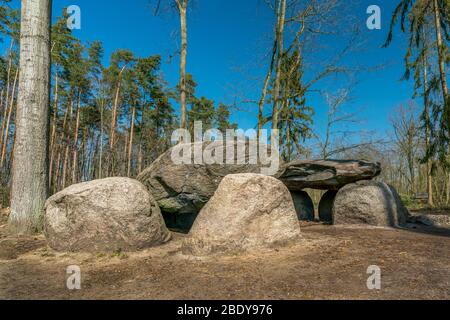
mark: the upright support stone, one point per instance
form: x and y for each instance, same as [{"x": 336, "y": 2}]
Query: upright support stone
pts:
[
  {"x": 326, "y": 206},
  {"x": 304, "y": 205},
  {"x": 369, "y": 203}
]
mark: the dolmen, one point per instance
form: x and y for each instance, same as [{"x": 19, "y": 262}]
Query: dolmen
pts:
[
  {"x": 228, "y": 207},
  {"x": 183, "y": 189},
  {"x": 352, "y": 197}
]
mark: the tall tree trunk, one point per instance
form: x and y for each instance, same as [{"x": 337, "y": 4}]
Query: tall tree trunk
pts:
[
  {"x": 266, "y": 85},
  {"x": 102, "y": 106},
  {"x": 30, "y": 169},
  {"x": 65, "y": 168},
  {"x": 140, "y": 160},
  {"x": 141, "y": 155},
  {"x": 8, "y": 120},
  {"x": 114, "y": 111},
  {"x": 276, "y": 94},
  {"x": 8, "y": 75},
  {"x": 182, "y": 9},
  {"x": 2, "y": 104},
  {"x": 114, "y": 120},
  {"x": 441, "y": 57},
  {"x": 130, "y": 145},
  {"x": 288, "y": 140},
  {"x": 54, "y": 124},
  {"x": 443, "y": 78},
  {"x": 56, "y": 180},
  {"x": 427, "y": 129},
  {"x": 75, "y": 141}
]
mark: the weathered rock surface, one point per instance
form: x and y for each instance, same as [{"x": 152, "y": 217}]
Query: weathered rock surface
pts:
[
  {"x": 326, "y": 206},
  {"x": 326, "y": 174},
  {"x": 369, "y": 202},
  {"x": 247, "y": 211},
  {"x": 183, "y": 189},
  {"x": 304, "y": 205},
  {"x": 431, "y": 220},
  {"x": 104, "y": 215}
]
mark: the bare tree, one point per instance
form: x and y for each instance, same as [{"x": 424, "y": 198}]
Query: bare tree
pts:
[
  {"x": 280, "y": 42},
  {"x": 182, "y": 6},
  {"x": 30, "y": 167},
  {"x": 337, "y": 139},
  {"x": 441, "y": 58},
  {"x": 426, "y": 113},
  {"x": 406, "y": 131}
]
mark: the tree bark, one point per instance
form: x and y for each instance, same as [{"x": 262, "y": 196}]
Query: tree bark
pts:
[
  {"x": 8, "y": 75},
  {"x": 2, "y": 105},
  {"x": 56, "y": 182},
  {"x": 266, "y": 85},
  {"x": 75, "y": 141},
  {"x": 276, "y": 94},
  {"x": 443, "y": 78},
  {"x": 100, "y": 160},
  {"x": 65, "y": 169},
  {"x": 114, "y": 111},
  {"x": 441, "y": 58},
  {"x": 114, "y": 121},
  {"x": 8, "y": 120},
  {"x": 30, "y": 169},
  {"x": 427, "y": 130},
  {"x": 130, "y": 145},
  {"x": 53, "y": 134},
  {"x": 182, "y": 9}
]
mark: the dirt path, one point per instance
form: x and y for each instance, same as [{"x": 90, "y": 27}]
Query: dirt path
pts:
[{"x": 329, "y": 263}]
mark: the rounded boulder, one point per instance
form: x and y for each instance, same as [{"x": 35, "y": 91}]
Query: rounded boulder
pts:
[
  {"x": 371, "y": 203},
  {"x": 247, "y": 211},
  {"x": 112, "y": 214}
]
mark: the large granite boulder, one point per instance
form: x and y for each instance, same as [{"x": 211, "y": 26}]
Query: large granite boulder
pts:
[
  {"x": 369, "y": 202},
  {"x": 247, "y": 211},
  {"x": 182, "y": 189},
  {"x": 326, "y": 174},
  {"x": 111, "y": 214}
]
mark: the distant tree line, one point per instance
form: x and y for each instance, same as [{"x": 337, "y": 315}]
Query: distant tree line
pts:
[{"x": 105, "y": 120}]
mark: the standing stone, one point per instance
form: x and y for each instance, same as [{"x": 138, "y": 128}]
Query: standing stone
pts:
[
  {"x": 111, "y": 214},
  {"x": 326, "y": 206},
  {"x": 369, "y": 202},
  {"x": 247, "y": 211},
  {"x": 304, "y": 205}
]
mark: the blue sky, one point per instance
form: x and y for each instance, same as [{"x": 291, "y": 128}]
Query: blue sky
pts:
[{"x": 228, "y": 43}]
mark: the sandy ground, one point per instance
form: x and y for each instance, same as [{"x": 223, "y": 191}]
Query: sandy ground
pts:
[{"x": 329, "y": 263}]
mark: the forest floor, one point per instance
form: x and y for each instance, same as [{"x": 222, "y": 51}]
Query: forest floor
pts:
[{"x": 329, "y": 263}]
